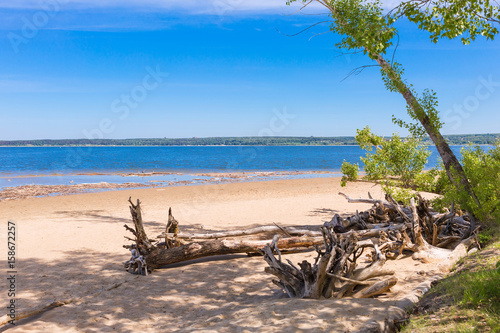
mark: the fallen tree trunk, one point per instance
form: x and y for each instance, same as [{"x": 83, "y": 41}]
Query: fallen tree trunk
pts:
[
  {"x": 415, "y": 230},
  {"x": 147, "y": 256},
  {"x": 290, "y": 231},
  {"x": 162, "y": 257}
]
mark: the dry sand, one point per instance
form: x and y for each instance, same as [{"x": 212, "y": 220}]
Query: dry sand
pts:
[{"x": 71, "y": 246}]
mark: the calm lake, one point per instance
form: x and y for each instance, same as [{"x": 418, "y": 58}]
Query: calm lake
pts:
[{"x": 55, "y": 165}]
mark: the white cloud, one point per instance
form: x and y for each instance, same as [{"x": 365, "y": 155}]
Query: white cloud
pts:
[{"x": 211, "y": 7}]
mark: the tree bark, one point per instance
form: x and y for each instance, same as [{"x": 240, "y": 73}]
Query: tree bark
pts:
[
  {"x": 450, "y": 161},
  {"x": 162, "y": 257},
  {"x": 290, "y": 231},
  {"x": 333, "y": 274}
]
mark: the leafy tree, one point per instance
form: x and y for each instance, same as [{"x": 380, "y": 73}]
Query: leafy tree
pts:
[
  {"x": 450, "y": 19},
  {"x": 364, "y": 27}
]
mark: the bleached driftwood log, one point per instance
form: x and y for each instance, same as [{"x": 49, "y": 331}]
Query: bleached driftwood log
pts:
[
  {"x": 147, "y": 256},
  {"x": 334, "y": 272},
  {"x": 414, "y": 228},
  {"x": 444, "y": 230},
  {"x": 290, "y": 231}
]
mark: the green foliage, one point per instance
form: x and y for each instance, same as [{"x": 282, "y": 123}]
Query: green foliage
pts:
[
  {"x": 349, "y": 171},
  {"x": 428, "y": 181},
  {"x": 484, "y": 238},
  {"x": 466, "y": 301},
  {"x": 398, "y": 158},
  {"x": 426, "y": 104},
  {"x": 362, "y": 25},
  {"x": 395, "y": 82},
  {"x": 477, "y": 139},
  {"x": 211, "y": 141},
  {"x": 398, "y": 162},
  {"x": 452, "y": 19},
  {"x": 402, "y": 195},
  {"x": 483, "y": 171},
  {"x": 476, "y": 285},
  {"x": 366, "y": 139}
]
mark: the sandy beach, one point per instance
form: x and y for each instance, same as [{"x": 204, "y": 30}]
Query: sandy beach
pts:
[{"x": 71, "y": 247}]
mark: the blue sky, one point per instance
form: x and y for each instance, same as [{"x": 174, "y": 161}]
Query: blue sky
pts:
[{"x": 160, "y": 68}]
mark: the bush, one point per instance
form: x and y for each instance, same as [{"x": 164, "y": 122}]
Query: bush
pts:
[
  {"x": 349, "y": 171},
  {"x": 397, "y": 158},
  {"x": 482, "y": 168},
  {"x": 427, "y": 181},
  {"x": 400, "y": 164},
  {"x": 401, "y": 195}
]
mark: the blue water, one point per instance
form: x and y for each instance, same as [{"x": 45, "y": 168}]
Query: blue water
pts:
[
  {"x": 20, "y": 164},
  {"x": 50, "y": 160}
]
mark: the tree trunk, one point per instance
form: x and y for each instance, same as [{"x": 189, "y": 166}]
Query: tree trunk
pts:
[
  {"x": 162, "y": 257},
  {"x": 450, "y": 161},
  {"x": 289, "y": 231}
]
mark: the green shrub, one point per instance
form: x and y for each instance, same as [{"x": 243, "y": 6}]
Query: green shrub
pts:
[
  {"x": 400, "y": 194},
  {"x": 427, "y": 181},
  {"x": 482, "y": 168},
  {"x": 401, "y": 159},
  {"x": 349, "y": 171}
]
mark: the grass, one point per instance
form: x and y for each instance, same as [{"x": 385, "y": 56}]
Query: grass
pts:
[{"x": 468, "y": 300}]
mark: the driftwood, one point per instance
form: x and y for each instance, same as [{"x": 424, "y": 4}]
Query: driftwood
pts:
[
  {"x": 162, "y": 257},
  {"x": 36, "y": 310},
  {"x": 387, "y": 230},
  {"x": 171, "y": 231},
  {"x": 443, "y": 230},
  {"x": 291, "y": 231},
  {"x": 147, "y": 256},
  {"x": 334, "y": 272}
]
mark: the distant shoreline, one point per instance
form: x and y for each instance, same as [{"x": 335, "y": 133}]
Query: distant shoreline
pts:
[
  {"x": 124, "y": 146},
  {"x": 90, "y": 146},
  {"x": 481, "y": 139}
]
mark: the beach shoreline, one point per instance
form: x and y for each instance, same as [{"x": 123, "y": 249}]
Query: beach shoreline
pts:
[
  {"x": 28, "y": 186},
  {"x": 71, "y": 247}
]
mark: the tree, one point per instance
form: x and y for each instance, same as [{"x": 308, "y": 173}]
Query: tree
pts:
[
  {"x": 365, "y": 28},
  {"x": 451, "y": 19}
]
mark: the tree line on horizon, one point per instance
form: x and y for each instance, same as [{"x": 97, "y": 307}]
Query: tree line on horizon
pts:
[{"x": 237, "y": 141}]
